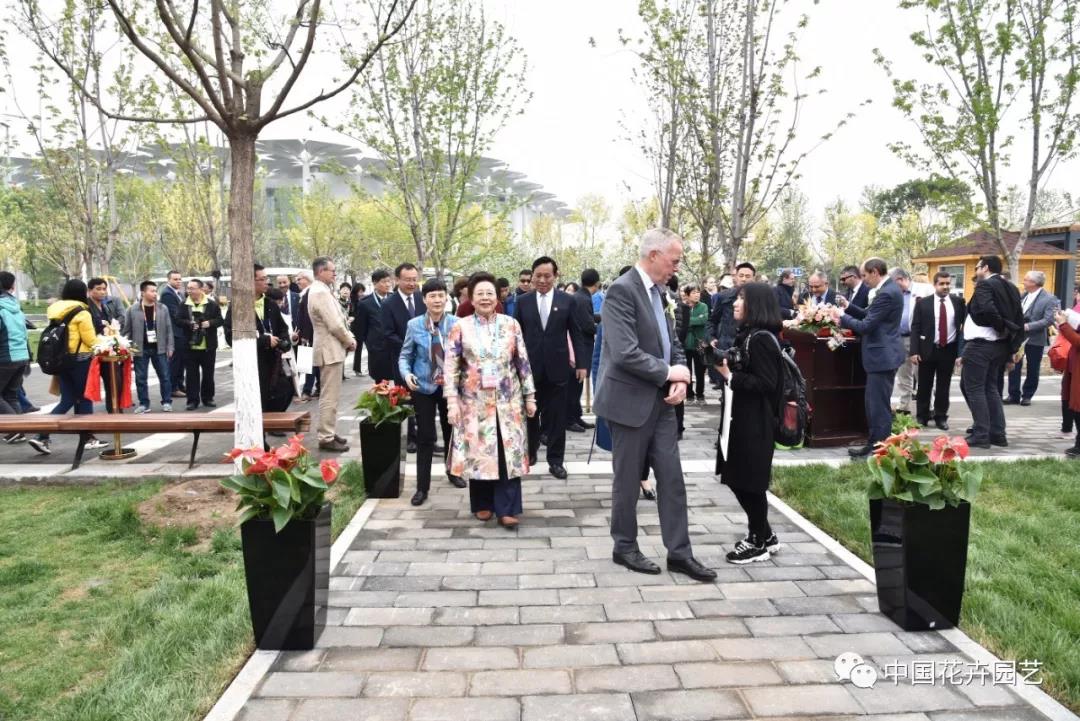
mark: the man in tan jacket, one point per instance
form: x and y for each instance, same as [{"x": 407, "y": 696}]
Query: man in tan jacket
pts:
[{"x": 332, "y": 340}]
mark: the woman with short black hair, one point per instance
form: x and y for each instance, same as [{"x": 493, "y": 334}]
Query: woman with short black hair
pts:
[{"x": 755, "y": 378}]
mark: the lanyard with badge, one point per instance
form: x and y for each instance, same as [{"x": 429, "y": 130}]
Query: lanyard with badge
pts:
[
  {"x": 150, "y": 323},
  {"x": 489, "y": 377}
]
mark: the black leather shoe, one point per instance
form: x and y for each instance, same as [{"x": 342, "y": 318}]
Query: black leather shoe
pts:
[
  {"x": 457, "y": 482},
  {"x": 636, "y": 561},
  {"x": 191, "y": 406},
  {"x": 576, "y": 428},
  {"x": 1010, "y": 401},
  {"x": 586, "y": 425},
  {"x": 209, "y": 404},
  {"x": 1026, "y": 402},
  {"x": 942, "y": 424},
  {"x": 557, "y": 471},
  {"x": 861, "y": 451},
  {"x": 972, "y": 443},
  {"x": 999, "y": 441},
  {"x": 418, "y": 498},
  {"x": 692, "y": 568},
  {"x": 410, "y": 447}
]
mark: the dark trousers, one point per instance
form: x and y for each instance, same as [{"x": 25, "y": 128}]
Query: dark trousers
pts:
[
  {"x": 878, "y": 404},
  {"x": 573, "y": 400},
  {"x": 142, "y": 372},
  {"x": 756, "y": 506},
  {"x": 983, "y": 365},
  {"x": 695, "y": 361},
  {"x": 1033, "y": 357},
  {"x": 680, "y": 416},
  {"x": 426, "y": 408},
  {"x": 1068, "y": 416},
  {"x": 200, "y": 375},
  {"x": 501, "y": 496},
  {"x": 178, "y": 363},
  {"x": 550, "y": 419},
  {"x": 72, "y": 391},
  {"x": 11, "y": 380},
  {"x": 935, "y": 373},
  {"x": 357, "y": 356},
  {"x": 310, "y": 381}
]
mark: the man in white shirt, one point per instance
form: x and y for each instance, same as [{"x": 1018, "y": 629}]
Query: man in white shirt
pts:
[{"x": 1039, "y": 308}]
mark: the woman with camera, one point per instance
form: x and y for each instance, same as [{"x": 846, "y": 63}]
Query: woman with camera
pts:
[{"x": 752, "y": 370}]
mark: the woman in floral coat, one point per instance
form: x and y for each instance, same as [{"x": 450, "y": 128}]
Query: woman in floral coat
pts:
[{"x": 489, "y": 390}]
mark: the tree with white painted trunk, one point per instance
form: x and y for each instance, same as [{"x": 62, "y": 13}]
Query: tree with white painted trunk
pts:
[{"x": 238, "y": 62}]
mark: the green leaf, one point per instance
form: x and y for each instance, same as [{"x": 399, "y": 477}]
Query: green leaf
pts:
[
  {"x": 294, "y": 488},
  {"x": 248, "y": 515},
  {"x": 313, "y": 479},
  {"x": 282, "y": 492},
  {"x": 281, "y": 517}
]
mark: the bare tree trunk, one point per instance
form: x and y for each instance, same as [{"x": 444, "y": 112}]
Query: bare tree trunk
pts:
[{"x": 248, "y": 430}]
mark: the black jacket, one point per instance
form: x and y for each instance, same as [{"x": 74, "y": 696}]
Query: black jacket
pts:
[
  {"x": 275, "y": 388},
  {"x": 924, "y": 332},
  {"x": 395, "y": 316},
  {"x": 368, "y": 330},
  {"x": 830, "y": 296},
  {"x": 996, "y": 304},
  {"x": 178, "y": 314},
  {"x": 586, "y": 320},
  {"x": 722, "y": 318},
  {"x": 212, "y": 313},
  {"x": 861, "y": 299},
  {"x": 785, "y": 295},
  {"x": 549, "y": 353},
  {"x": 104, "y": 315}
]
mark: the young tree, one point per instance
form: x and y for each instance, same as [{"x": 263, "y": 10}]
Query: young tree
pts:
[
  {"x": 992, "y": 56},
  {"x": 239, "y": 64},
  {"x": 593, "y": 213},
  {"x": 431, "y": 108}
]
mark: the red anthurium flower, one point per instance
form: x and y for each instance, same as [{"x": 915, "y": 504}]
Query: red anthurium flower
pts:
[
  {"x": 961, "y": 446},
  {"x": 329, "y": 469}
]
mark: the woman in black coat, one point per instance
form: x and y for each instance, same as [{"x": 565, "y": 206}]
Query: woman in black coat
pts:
[{"x": 755, "y": 381}]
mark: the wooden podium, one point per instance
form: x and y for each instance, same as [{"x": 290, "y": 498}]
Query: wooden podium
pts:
[{"x": 835, "y": 386}]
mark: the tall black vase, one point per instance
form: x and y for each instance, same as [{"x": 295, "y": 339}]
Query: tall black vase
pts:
[
  {"x": 288, "y": 580},
  {"x": 382, "y": 455},
  {"x": 920, "y": 558}
]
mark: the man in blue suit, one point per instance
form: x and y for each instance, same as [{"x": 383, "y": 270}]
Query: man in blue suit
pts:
[{"x": 882, "y": 348}]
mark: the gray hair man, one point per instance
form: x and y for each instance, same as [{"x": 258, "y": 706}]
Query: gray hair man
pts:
[
  {"x": 1039, "y": 308},
  {"x": 642, "y": 377}
]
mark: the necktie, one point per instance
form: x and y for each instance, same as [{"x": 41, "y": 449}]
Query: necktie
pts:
[
  {"x": 943, "y": 326},
  {"x": 438, "y": 356},
  {"x": 661, "y": 322},
  {"x": 409, "y": 305},
  {"x": 544, "y": 311},
  {"x": 905, "y": 321}
]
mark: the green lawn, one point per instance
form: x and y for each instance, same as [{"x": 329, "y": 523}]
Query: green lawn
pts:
[
  {"x": 102, "y": 617},
  {"x": 1022, "y": 598}
]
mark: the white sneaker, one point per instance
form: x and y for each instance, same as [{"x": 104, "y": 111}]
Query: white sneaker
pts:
[
  {"x": 95, "y": 443},
  {"x": 41, "y": 445},
  {"x": 141, "y": 409},
  {"x": 165, "y": 408}
]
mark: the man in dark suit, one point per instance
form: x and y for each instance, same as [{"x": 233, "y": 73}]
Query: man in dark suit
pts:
[
  {"x": 882, "y": 349},
  {"x": 993, "y": 331},
  {"x": 819, "y": 291},
  {"x": 403, "y": 305},
  {"x": 785, "y": 293},
  {"x": 368, "y": 328},
  {"x": 857, "y": 292},
  {"x": 291, "y": 304},
  {"x": 304, "y": 333},
  {"x": 546, "y": 317},
  {"x": 202, "y": 345},
  {"x": 643, "y": 376},
  {"x": 937, "y": 332},
  {"x": 172, "y": 297},
  {"x": 587, "y": 320}
]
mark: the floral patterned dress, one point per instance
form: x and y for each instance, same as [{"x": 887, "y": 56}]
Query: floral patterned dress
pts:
[{"x": 496, "y": 344}]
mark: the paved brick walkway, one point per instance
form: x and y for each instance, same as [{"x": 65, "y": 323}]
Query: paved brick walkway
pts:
[{"x": 435, "y": 616}]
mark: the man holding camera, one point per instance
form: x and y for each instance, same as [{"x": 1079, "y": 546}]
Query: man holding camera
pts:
[{"x": 202, "y": 340}]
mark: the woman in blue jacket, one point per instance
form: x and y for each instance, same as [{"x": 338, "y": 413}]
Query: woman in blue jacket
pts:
[{"x": 421, "y": 366}]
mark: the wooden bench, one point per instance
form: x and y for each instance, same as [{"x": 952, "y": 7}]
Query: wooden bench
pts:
[{"x": 195, "y": 423}]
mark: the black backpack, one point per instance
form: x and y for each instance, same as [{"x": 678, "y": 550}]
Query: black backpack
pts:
[
  {"x": 794, "y": 411},
  {"x": 52, "y": 351}
]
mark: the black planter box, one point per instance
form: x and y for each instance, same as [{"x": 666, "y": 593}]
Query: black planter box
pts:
[
  {"x": 920, "y": 557},
  {"x": 288, "y": 580},
  {"x": 382, "y": 455}
]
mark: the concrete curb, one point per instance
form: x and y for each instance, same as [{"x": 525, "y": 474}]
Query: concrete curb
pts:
[
  {"x": 245, "y": 682},
  {"x": 1035, "y": 696}
]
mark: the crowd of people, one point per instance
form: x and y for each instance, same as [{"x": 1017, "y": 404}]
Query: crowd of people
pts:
[{"x": 497, "y": 372}]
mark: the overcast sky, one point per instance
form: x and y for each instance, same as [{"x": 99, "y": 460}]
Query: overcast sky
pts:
[{"x": 569, "y": 138}]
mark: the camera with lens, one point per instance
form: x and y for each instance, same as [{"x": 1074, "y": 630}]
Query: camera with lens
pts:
[
  {"x": 198, "y": 333},
  {"x": 735, "y": 357},
  {"x": 284, "y": 345}
]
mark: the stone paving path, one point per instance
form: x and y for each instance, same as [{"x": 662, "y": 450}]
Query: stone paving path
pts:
[{"x": 436, "y": 616}]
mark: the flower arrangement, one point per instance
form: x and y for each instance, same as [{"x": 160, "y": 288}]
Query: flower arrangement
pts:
[
  {"x": 904, "y": 469},
  {"x": 112, "y": 344},
  {"x": 817, "y": 319},
  {"x": 384, "y": 402},
  {"x": 281, "y": 484}
]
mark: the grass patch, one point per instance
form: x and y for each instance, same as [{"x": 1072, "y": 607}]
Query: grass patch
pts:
[
  {"x": 106, "y": 618},
  {"x": 1022, "y": 598}
]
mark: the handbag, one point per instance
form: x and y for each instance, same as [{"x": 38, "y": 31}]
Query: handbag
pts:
[
  {"x": 1059, "y": 353},
  {"x": 305, "y": 359}
]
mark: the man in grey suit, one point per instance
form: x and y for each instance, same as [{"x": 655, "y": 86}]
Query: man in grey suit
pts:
[
  {"x": 1039, "y": 308},
  {"x": 643, "y": 376}
]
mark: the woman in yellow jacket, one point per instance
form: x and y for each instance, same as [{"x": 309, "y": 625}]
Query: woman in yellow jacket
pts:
[{"x": 72, "y": 379}]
